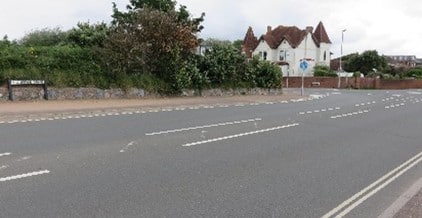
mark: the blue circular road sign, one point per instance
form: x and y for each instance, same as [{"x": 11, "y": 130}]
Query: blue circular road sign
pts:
[{"x": 303, "y": 65}]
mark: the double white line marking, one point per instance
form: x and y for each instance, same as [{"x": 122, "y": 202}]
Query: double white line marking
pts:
[{"x": 351, "y": 203}]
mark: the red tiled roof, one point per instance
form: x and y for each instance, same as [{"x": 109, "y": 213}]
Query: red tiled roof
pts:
[
  {"x": 321, "y": 35},
  {"x": 292, "y": 34},
  {"x": 249, "y": 43}
]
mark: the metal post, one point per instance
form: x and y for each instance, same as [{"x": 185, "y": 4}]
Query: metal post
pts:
[
  {"x": 302, "y": 91},
  {"x": 341, "y": 55}
]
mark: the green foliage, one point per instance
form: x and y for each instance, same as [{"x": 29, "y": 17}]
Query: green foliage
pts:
[
  {"x": 150, "y": 41},
  {"x": 415, "y": 72},
  {"x": 264, "y": 74},
  {"x": 149, "y": 46},
  {"x": 166, "y": 6},
  {"x": 89, "y": 35},
  {"x": 60, "y": 65},
  {"x": 45, "y": 37},
  {"x": 191, "y": 77},
  {"x": 323, "y": 71},
  {"x": 366, "y": 62},
  {"x": 224, "y": 65}
]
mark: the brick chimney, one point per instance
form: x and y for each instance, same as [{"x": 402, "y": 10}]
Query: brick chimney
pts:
[
  {"x": 269, "y": 29},
  {"x": 309, "y": 29}
]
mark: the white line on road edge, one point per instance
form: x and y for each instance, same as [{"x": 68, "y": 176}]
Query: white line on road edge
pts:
[
  {"x": 24, "y": 175},
  {"x": 5, "y": 154},
  {"x": 402, "y": 200},
  {"x": 239, "y": 135},
  {"x": 398, "y": 171},
  {"x": 203, "y": 127}
]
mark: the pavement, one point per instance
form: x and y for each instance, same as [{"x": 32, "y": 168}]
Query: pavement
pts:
[
  {"x": 409, "y": 204},
  {"x": 27, "y": 108}
]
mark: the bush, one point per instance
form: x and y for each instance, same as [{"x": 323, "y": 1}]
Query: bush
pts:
[
  {"x": 415, "y": 72},
  {"x": 323, "y": 71}
]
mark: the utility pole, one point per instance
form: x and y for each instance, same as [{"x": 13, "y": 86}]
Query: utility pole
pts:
[{"x": 341, "y": 56}]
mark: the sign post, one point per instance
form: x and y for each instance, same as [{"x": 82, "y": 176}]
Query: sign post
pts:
[{"x": 303, "y": 66}]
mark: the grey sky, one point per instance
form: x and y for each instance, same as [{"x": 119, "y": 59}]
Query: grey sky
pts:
[{"x": 389, "y": 26}]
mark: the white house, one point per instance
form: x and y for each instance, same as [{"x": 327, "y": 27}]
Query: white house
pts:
[{"x": 288, "y": 45}]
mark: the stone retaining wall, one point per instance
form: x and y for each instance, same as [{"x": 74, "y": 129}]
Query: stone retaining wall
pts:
[{"x": 37, "y": 93}]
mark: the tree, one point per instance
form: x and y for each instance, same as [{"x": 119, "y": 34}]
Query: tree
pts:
[
  {"x": 366, "y": 62},
  {"x": 238, "y": 44},
  {"x": 183, "y": 15},
  {"x": 45, "y": 37},
  {"x": 151, "y": 42},
  {"x": 89, "y": 35}
]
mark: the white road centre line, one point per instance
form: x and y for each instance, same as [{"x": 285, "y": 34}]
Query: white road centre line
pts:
[
  {"x": 127, "y": 147},
  {"x": 240, "y": 135},
  {"x": 5, "y": 154},
  {"x": 4, "y": 179},
  {"x": 375, "y": 186},
  {"x": 203, "y": 127}
]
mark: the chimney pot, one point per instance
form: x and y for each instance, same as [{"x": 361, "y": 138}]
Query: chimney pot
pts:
[
  {"x": 269, "y": 29},
  {"x": 309, "y": 29}
]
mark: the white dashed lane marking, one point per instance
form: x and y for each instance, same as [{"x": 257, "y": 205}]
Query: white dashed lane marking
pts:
[
  {"x": 5, "y": 154},
  {"x": 203, "y": 127},
  {"x": 319, "y": 111},
  {"x": 351, "y": 114},
  {"x": 9, "y": 178},
  {"x": 240, "y": 135}
]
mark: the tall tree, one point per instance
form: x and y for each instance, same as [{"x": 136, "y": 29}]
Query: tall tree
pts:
[
  {"x": 134, "y": 6},
  {"x": 147, "y": 40},
  {"x": 366, "y": 62}
]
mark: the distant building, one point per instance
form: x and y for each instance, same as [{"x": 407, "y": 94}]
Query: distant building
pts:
[
  {"x": 285, "y": 45},
  {"x": 407, "y": 61}
]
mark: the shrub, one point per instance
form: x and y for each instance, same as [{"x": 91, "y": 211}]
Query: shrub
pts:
[
  {"x": 415, "y": 72},
  {"x": 323, "y": 71}
]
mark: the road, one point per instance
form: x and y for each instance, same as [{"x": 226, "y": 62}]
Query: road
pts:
[{"x": 341, "y": 153}]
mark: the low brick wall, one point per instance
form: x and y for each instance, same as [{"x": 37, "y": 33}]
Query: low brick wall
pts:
[
  {"x": 400, "y": 84},
  {"x": 356, "y": 83},
  {"x": 319, "y": 82},
  {"x": 21, "y": 93}
]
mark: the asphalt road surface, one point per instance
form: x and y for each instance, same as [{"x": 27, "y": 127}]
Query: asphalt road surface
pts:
[{"x": 342, "y": 153}]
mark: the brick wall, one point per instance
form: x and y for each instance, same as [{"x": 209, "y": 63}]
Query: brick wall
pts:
[
  {"x": 358, "y": 83},
  {"x": 400, "y": 84},
  {"x": 319, "y": 82}
]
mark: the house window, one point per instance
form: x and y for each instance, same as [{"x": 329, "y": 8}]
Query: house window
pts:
[
  {"x": 325, "y": 55},
  {"x": 265, "y": 56},
  {"x": 282, "y": 55}
]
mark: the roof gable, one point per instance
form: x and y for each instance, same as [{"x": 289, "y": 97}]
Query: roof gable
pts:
[
  {"x": 292, "y": 34},
  {"x": 321, "y": 35}
]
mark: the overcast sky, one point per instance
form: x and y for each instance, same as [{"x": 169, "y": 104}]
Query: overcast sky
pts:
[{"x": 389, "y": 26}]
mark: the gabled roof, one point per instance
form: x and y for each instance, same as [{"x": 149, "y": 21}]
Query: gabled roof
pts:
[
  {"x": 250, "y": 42},
  {"x": 321, "y": 35},
  {"x": 292, "y": 34}
]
